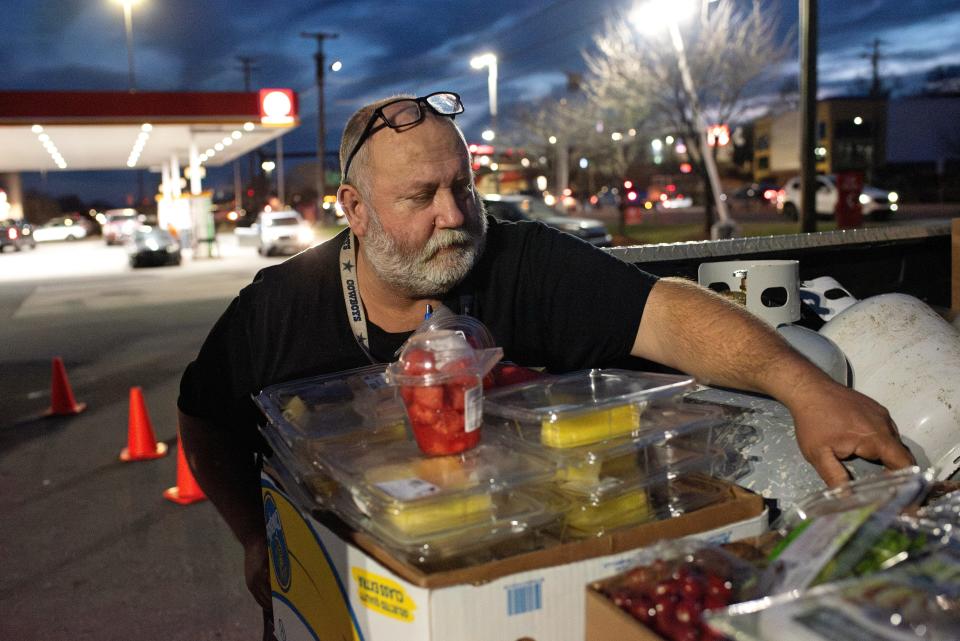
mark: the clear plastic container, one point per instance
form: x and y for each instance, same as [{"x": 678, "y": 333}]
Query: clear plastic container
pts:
[
  {"x": 513, "y": 526},
  {"x": 897, "y": 489},
  {"x": 350, "y": 405},
  {"x": 671, "y": 434},
  {"x": 602, "y": 509},
  {"x": 675, "y": 582},
  {"x": 440, "y": 376},
  {"x": 585, "y": 407},
  {"x": 410, "y": 495},
  {"x": 474, "y": 331}
]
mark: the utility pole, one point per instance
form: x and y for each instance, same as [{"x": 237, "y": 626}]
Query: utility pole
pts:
[
  {"x": 247, "y": 66},
  {"x": 876, "y": 85},
  {"x": 320, "y": 36},
  {"x": 808, "y": 115}
]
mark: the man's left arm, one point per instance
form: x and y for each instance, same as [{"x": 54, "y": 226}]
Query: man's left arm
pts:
[{"x": 696, "y": 331}]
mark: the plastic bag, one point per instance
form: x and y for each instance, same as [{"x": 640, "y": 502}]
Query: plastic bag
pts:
[
  {"x": 841, "y": 533},
  {"x": 916, "y": 601}
]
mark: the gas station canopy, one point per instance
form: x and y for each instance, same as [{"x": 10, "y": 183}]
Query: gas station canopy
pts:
[{"x": 73, "y": 130}]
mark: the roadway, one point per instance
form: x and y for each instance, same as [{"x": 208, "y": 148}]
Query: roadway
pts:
[{"x": 90, "y": 549}]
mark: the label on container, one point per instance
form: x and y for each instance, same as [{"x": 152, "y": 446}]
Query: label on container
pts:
[
  {"x": 383, "y": 595},
  {"x": 375, "y": 381},
  {"x": 472, "y": 408},
  {"x": 408, "y": 489}
]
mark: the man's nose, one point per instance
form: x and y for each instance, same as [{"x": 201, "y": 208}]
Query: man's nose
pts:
[{"x": 449, "y": 215}]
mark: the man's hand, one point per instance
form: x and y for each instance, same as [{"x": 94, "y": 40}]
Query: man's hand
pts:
[
  {"x": 693, "y": 330},
  {"x": 834, "y": 423},
  {"x": 256, "y": 570}
]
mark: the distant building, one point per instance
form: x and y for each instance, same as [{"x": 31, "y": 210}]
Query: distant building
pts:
[
  {"x": 851, "y": 135},
  {"x": 908, "y": 144}
]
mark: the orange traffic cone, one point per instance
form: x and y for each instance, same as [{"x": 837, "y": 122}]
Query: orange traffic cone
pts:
[
  {"x": 186, "y": 490},
  {"x": 141, "y": 443},
  {"x": 62, "y": 402}
]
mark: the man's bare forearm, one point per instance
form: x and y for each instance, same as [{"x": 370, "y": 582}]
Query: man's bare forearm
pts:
[
  {"x": 227, "y": 474},
  {"x": 696, "y": 331}
]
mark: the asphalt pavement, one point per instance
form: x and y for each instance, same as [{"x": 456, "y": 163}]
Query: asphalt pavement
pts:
[{"x": 89, "y": 547}]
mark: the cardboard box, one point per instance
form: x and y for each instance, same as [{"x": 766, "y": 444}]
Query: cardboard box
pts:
[
  {"x": 330, "y": 583},
  {"x": 607, "y": 622}
]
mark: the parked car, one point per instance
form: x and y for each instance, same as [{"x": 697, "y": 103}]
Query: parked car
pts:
[
  {"x": 60, "y": 228},
  {"x": 876, "y": 203},
  {"x": 120, "y": 225},
  {"x": 763, "y": 191},
  {"x": 17, "y": 234},
  {"x": 674, "y": 201},
  {"x": 153, "y": 246},
  {"x": 282, "y": 231},
  {"x": 518, "y": 207}
]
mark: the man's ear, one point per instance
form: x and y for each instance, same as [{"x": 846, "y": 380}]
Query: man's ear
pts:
[{"x": 351, "y": 202}]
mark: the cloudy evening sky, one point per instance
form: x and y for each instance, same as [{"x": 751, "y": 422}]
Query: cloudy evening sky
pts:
[{"x": 389, "y": 46}]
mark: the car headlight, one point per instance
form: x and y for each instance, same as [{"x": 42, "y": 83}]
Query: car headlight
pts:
[
  {"x": 864, "y": 199},
  {"x": 305, "y": 235},
  {"x": 893, "y": 196},
  {"x": 152, "y": 245}
]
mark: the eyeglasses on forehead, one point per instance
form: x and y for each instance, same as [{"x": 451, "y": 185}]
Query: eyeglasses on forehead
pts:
[{"x": 405, "y": 112}]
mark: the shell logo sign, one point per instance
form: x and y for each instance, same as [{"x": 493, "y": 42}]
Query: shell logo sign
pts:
[{"x": 278, "y": 107}]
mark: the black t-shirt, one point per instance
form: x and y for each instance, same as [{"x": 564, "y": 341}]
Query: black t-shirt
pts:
[{"x": 549, "y": 300}]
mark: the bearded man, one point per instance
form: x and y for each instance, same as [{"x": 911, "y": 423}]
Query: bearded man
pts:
[{"x": 417, "y": 236}]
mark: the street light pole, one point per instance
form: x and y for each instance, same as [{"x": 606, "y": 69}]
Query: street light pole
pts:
[
  {"x": 128, "y": 25},
  {"x": 724, "y": 227},
  {"x": 321, "y": 124},
  {"x": 489, "y": 60},
  {"x": 655, "y": 11},
  {"x": 808, "y": 115}
]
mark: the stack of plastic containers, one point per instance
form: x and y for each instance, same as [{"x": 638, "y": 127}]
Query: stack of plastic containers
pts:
[
  {"x": 442, "y": 510},
  {"x": 560, "y": 458},
  {"x": 625, "y": 450},
  {"x": 308, "y": 416}
]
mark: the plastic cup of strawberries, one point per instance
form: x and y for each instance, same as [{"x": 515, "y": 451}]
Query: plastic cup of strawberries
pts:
[{"x": 440, "y": 378}]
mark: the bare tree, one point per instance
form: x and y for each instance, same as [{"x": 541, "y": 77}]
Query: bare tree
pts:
[
  {"x": 726, "y": 49},
  {"x": 582, "y": 128}
]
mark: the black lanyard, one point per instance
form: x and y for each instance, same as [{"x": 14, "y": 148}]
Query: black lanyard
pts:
[{"x": 351, "y": 295}]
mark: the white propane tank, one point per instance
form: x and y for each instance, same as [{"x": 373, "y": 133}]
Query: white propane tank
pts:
[
  {"x": 761, "y": 278},
  {"x": 907, "y": 358},
  {"x": 773, "y": 294},
  {"x": 819, "y": 349},
  {"x": 825, "y": 296}
]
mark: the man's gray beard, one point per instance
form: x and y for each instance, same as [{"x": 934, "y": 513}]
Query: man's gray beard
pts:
[{"x": 422, "y": 273}]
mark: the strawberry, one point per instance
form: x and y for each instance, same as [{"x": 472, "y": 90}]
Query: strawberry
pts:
[
  {"x": 429, "y": 396},
  {"x": 417, "y": 362}
]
